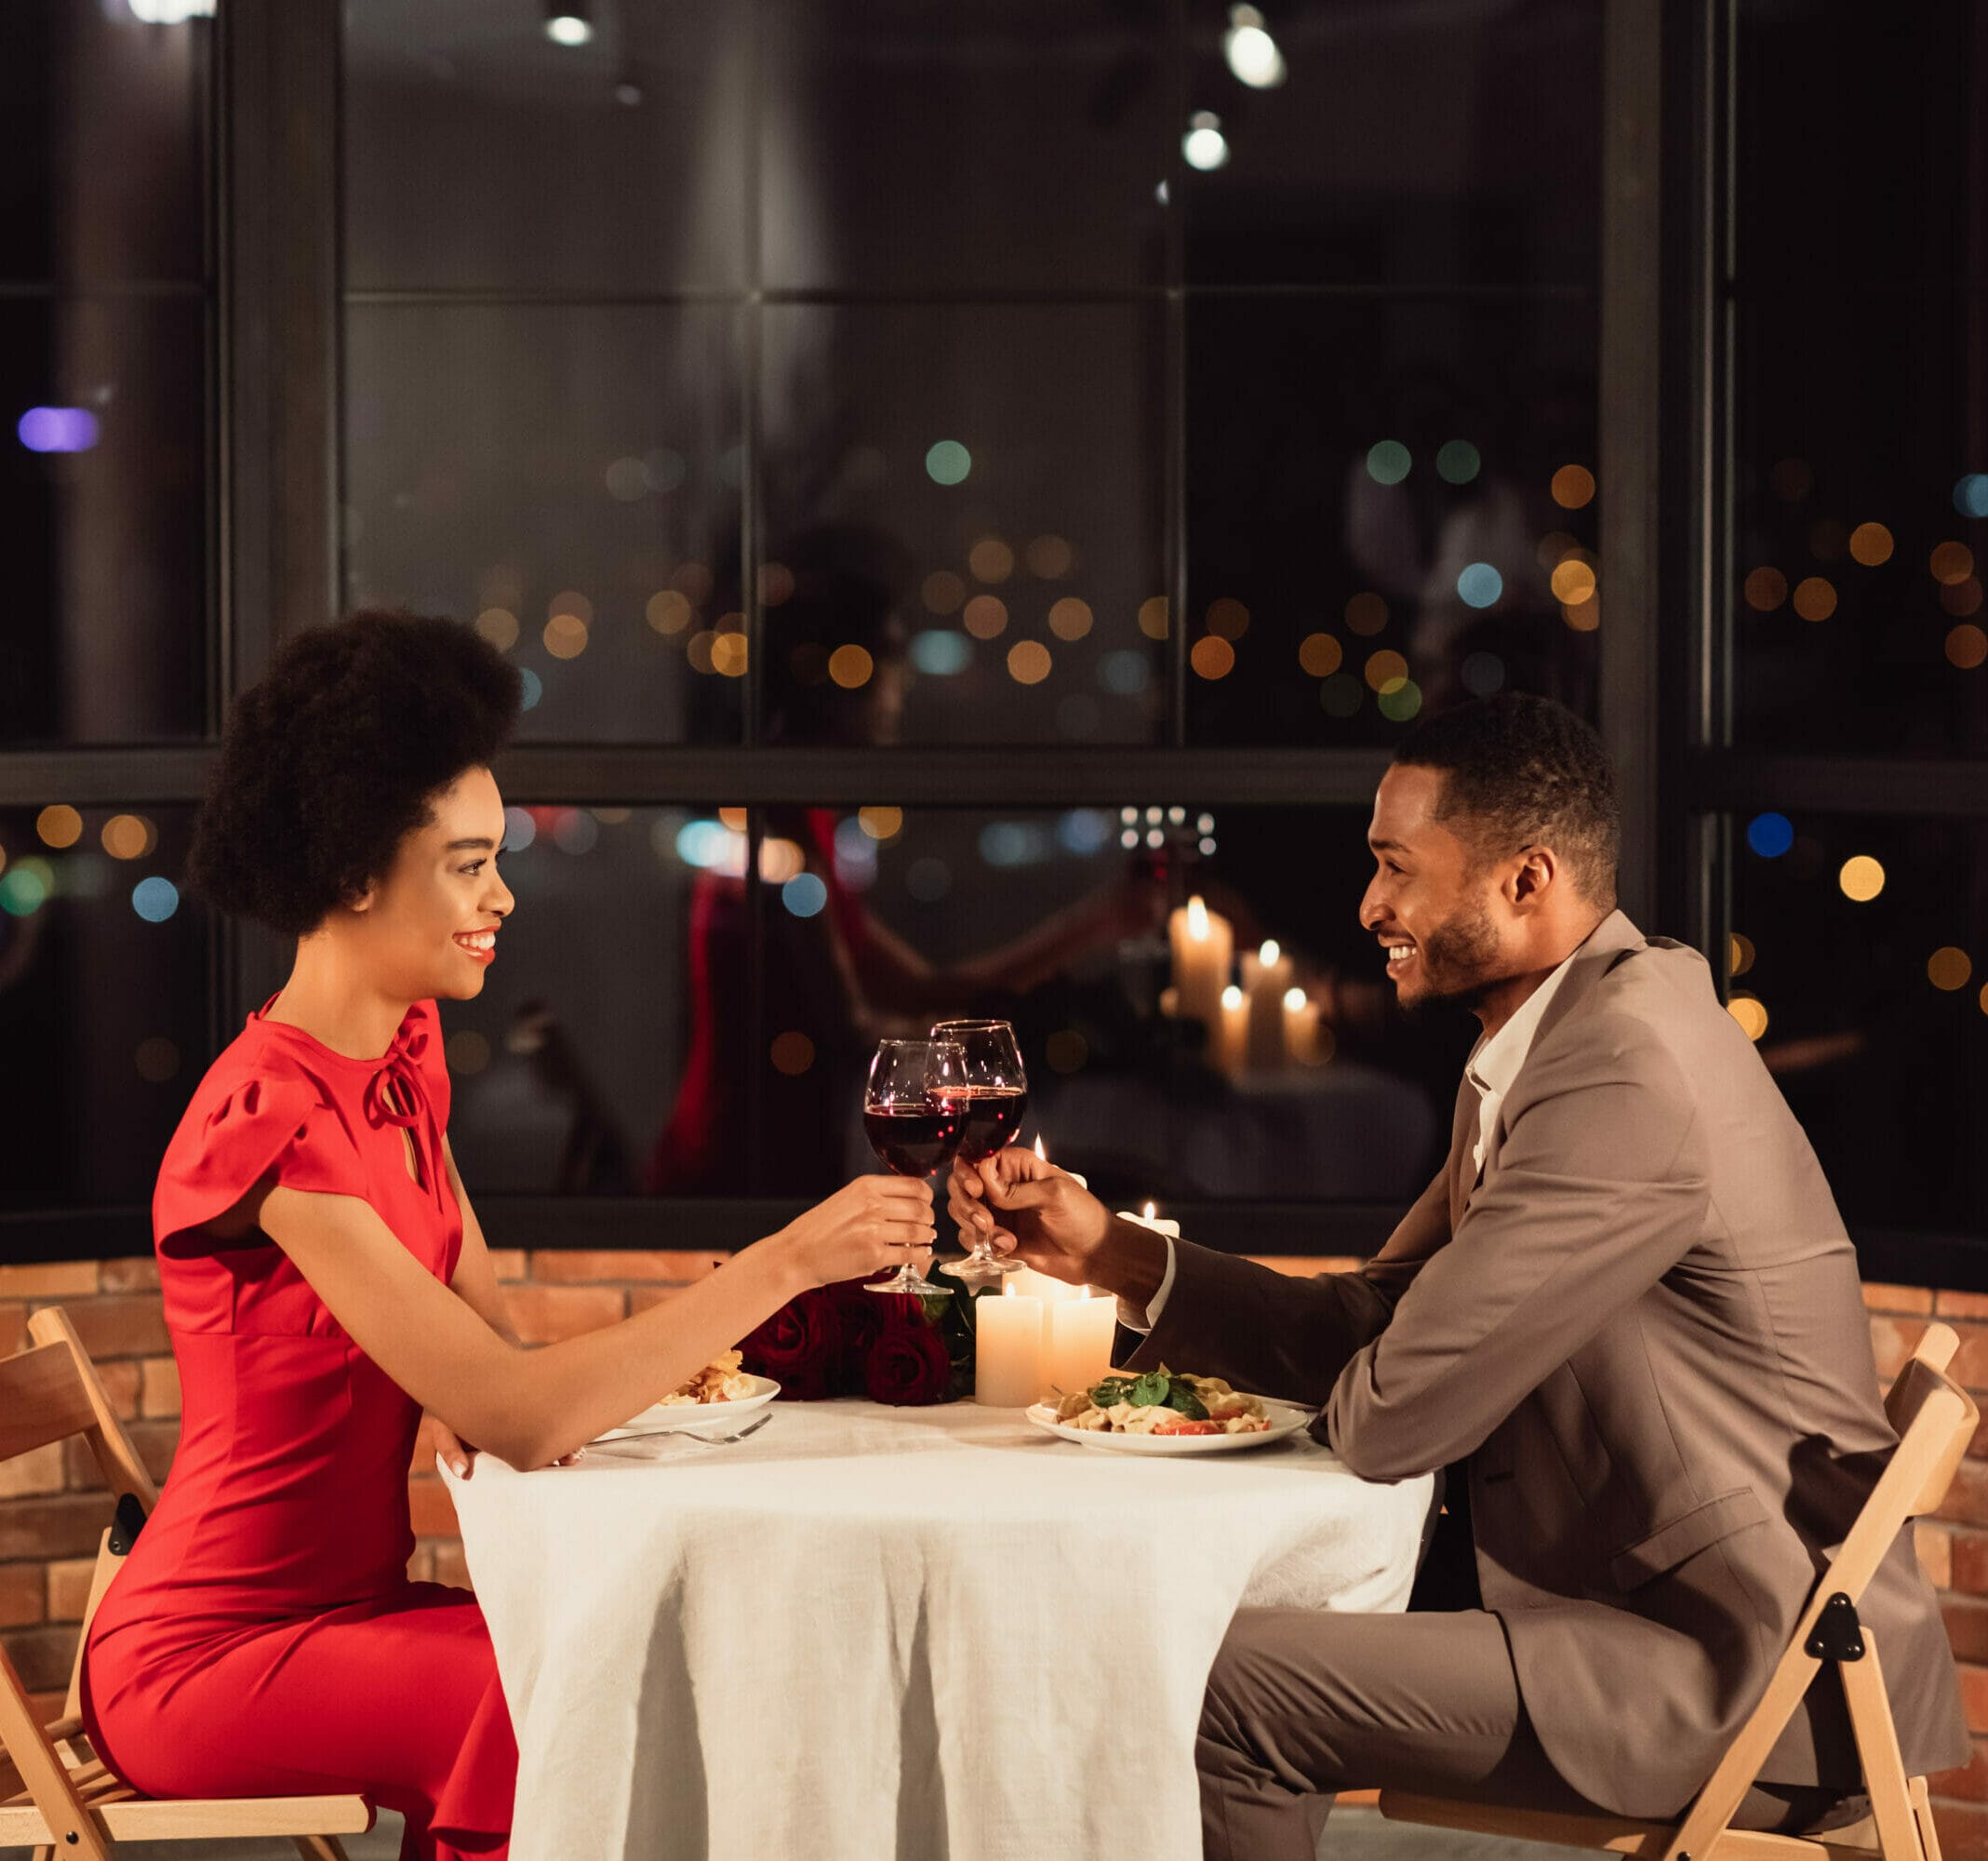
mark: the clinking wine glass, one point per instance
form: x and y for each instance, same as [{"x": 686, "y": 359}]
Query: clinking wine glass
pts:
[
  {"x": 912, "y": 1117},
  {"x": 994, "y": 1098}
]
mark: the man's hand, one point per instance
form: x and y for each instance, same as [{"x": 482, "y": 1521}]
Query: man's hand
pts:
[{"x": 1032, "y": 1209}]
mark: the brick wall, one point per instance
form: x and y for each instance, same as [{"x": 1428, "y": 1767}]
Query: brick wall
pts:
[{"x": 53, "y": 1508}]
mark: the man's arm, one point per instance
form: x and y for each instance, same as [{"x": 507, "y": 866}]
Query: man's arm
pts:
[
  {"x": 1263, "y": 1329},
  {"x": 1600, "y": 1190}
]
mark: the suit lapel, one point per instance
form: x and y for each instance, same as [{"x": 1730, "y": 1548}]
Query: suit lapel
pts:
[{"x": 1462, "y": 1135}]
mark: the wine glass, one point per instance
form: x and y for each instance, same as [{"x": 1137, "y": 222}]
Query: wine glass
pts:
[
  {"x": 912, "y": 1119},
  {"x": 993, "y": 1095}
]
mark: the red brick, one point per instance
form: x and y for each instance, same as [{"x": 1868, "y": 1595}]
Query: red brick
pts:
[
  {"x": 67, "y": 1526},
  {"x": 69, "y": 1582},
  {"x": 1934, "y": 1545},
  {"x": 1969, "y": 1368},
  {"x": 508, "y": 1261},
  {"x": 23, "y": 1595},
  {"x": 1966, "y": 1627},
  {"x": 1880, "y": 1297},
  {"x": 451, "y": 1566},
  {"x": 125, "y": 1324},
  {"x": 430, "y": 1507},
  {"x": 13, "y": 1329},
  {"x": 578, "y": 1268},
  {"x": 1966, "y": 1499},
  {"x": 1971, "y": 1562},
  {"x": 43, "y": 1655},
  {"x": 158, "y": 1389},
  {"x": 1969, "y": 1784},
  {"x": 1893, "y": 1341},
  {"x": 122, "y": 1383},
  {"x": 57, "y": 1279},
  {"x": 421, "y": 1563},
  {"x": 155, "y": 1442},
  {"x": 1974, "y": 1696},
  {"x": 543, "y": 1314},
  {"x": 39, "y": 1470},
  {"x": 1963, "y": 1831},
  {"x": 137, "y": 1275}
]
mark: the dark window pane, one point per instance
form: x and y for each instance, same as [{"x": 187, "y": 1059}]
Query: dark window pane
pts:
[
  {"x": 1852, "y": 161},
  {"x": 979, "y": 144},
  {"x": 479, "y": 154},
  {"x": 105, "y": 481},
  {"x": 103, "y": 1001},
  {"x": 581, "y": 1068},
  {"x": 896, "y": 916},
  {"x": 964, "y": 504},
  {"x": 1406, "y": 145},
  {"x": 1864, "y": 961},
  {"x": 1391, "y": 507},
  {"x": 105, "y": 176},
  {"x": 571, "y": 474}
]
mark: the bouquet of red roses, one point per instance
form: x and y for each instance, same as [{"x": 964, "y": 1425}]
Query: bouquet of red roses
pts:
[{"x": 842, "y": 1340}]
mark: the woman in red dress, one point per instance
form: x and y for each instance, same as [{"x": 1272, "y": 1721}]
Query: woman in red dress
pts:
[{"x": 324, "y": 1277}]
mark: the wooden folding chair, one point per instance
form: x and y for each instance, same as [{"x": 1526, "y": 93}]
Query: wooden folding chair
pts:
[
  {"x": 1934, "y": 1419},
  {"x": 57, "y": 1796}
]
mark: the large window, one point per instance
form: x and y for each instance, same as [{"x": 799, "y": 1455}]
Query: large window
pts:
[{"x": 961, "y": 485}]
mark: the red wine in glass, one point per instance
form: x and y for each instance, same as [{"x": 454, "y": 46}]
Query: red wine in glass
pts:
[
  {"x": 993, "y": 1095},
  {"x": 912, "y": 1119},
  {"x": 991, "y": 1118}
]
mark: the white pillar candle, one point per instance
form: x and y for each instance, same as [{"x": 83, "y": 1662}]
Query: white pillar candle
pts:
[
  {"x": 1008, "y": 1366},
  {"x": 1229, "y": 1036},
  {"x": 1150, "y": 1217},
  {"x": 1300, "y": 1027},
  {"x": 1203, "y": 943},
  {"x": 1266, "y": 978},
  {"x": 1081, "y": 1330}
]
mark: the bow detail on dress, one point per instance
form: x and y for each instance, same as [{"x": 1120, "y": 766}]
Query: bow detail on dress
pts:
[{"x": 399, "y": 1071}]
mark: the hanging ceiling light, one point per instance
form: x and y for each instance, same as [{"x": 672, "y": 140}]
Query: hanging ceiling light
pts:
[
  {"x": 568, "y": 23},
  {"x": 1204, "y": 145},
  {"x": 1251, "y": 52}
]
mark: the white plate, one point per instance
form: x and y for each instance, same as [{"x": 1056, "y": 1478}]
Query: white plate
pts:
[
  {"x": 1285, "y": 1419},
  {"x": 693, "y": 1418}
]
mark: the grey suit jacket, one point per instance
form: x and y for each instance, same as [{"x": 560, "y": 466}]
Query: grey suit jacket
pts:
[{"x": 1644, "y": 1327}]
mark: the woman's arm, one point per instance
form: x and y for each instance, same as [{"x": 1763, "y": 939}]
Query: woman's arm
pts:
[
  {"x": 475, "y": 1281},
  {"x": 532, "y": 1406}
]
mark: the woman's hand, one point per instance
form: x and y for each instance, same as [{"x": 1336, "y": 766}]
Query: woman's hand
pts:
[
  {"x": 873, "y": 1223},
  {"x": 1032, "y": 1209}
]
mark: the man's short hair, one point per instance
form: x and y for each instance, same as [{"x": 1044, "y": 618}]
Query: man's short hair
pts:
[{"x": 1524, "y": 771}]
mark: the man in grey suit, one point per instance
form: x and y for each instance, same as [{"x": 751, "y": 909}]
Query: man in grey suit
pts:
[{"x": 1626, "y": 1316}]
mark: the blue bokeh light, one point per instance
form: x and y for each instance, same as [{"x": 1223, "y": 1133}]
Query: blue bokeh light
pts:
[
  {"x": 947, "y": 463},
  {"x": 1970, "y": 495},
  {"x": 520, "y": 830},
  {"x": 534, "y": 687},
  {"x": 1125, "y": 672},
  {"x": 154, "y": 899},
  {"x": 804, "y": 894},
  {"x": 1770, "y": 834},
  {"x": 1480, "y": 585},
  {"x": 52, "y": 429},
  {"x": 940, "y": 652}
]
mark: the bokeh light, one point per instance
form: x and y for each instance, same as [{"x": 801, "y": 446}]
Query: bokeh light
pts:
[
  {"x": 1950, "y": 562},
  {"x": 698, "y": 650},
  {"x": 520, "y": 829},
  {"x": 693, "y": 581},
  {"x": 571, "y": 601},
  {"x": 1366, "y": 614},
  {"x": 129, "y": 837},
  {"x": 776, "y": 584},
  {"x": 1751, "y": 1013},
  {"x": 1228, "y": 619},
  {"x": 1871, "y": 543},
  {"x": 985, "y": 616},
  {"x": 1320, "y": 654},
  {"x": 566, "y": 636},
  {"x": 1739, "y": 954},
  {"x": 533, "y": 686},
  {"x": 1388, "y": 462},
  {"x": 1028, "y": 662},
  {"x": 59, "y": 825},
  {"x": 1399, "y": 703},
  {"x": 1766, "y": 589},
  {"x": 1204, "y": 146},
  {"x": 1049, "y": 559},
  {"x": 941, "y": 654},
  {"x": 942, "y": 592},
  {"x": 1815, "y": 598},
  {"x": 1967, "y": 646},
  {"x": 1125, "y": 672},
  {"x": 850, "y": 666},
  {"x": 154, "y": 899},
  {"x": 1070, "y": 619},
  {"x": 1861, "y": 878},
  {"x": 881, "y": 822},
  {"x": 1457, "y": 462},
  {"x": 1386, "y": 671},
  {"x": 668, "y": 612},
  {"x": 1480, "y": 585},
  {"x": 1154, "y": 615},
  {"x": 1585, "y": 618},
  {"x": 1949, "y": 969},
  {"x": 728, "y": 655},
  {"x": 25, "y": 887},
  {"x": 1770, "y": 834},
  {"x": 56, "y": 429},
  {"x": 1212, "y": 657},
  {"x": 947, "y": 463},
  {"x": 1970, "y": 495},
  {"x": 791, "y": 1052},
  {"x": 1961, "y": 598},
  {"x": 804, "y": 894},
  {"x": 499, "y": 627},
  {"x": 991, "y": 560},
  {"x": 1573, "y": 582},
  {"x": 1573, "y": 487}
]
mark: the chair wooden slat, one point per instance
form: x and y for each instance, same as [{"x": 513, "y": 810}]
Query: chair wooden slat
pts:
[
  {"x": 40, "y": 1400},
  {"x": 1935, "y": 1420},
  {"x": 200, "y": 1819},
  {"x": 117, "y": 1459}
]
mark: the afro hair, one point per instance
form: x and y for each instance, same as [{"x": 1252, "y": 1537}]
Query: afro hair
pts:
[{"x": 330, "y": 762}]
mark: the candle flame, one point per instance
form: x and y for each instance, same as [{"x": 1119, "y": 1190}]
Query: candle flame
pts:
[
  {"x": 1150, "y": 1212},
  {"x": 1271, "y": 951},
  {"x": 1197, "y": 919},
  {"x": 1294, "y": 998},
  {"x": 1007, "y": 1289},
  {"x": 1042, "y": 1156},
  {"x": 1232, "y": 996}
]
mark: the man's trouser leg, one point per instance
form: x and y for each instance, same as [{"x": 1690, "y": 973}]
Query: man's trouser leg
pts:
[{"x": 1304, "y": 1703}]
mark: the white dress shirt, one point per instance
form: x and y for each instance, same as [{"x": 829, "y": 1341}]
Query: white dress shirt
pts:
[{"x": 1492, "y": 1068}]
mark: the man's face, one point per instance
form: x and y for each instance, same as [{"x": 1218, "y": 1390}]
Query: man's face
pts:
[{"x": 1437, "y": 920}]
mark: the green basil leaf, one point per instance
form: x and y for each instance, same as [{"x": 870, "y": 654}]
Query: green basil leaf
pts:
[
  {"x": 1184, "y": 1400},
  {"x": 1152, "y": 1390}
]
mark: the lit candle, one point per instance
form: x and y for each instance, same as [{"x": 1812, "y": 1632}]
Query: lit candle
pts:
[
  {"x": 1007, "y": 1363},
  {"x": 1230, "y": 1035},
  {"x": 1203, "y": 943},
  {"x": 1081, "y": 1330},
  {"x": 1300, "y": 1027},
  {"x": 1150, "y": 1217},
  {"x": 1266, "y": 977}
]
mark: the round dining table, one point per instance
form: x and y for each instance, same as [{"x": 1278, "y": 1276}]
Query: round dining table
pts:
[{"x": 923, "y": 1634}]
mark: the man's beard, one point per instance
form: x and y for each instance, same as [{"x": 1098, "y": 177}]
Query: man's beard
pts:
[{"x": 1465, "y": 948}]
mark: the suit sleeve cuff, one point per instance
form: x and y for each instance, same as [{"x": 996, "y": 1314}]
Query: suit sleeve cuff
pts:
[{"x": 1130, "y": 1316}]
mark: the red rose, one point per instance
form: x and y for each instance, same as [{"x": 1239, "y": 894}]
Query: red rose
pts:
[
  {"x": 861, "y": 1315},
  {"x": 908, "y": 1363},
  {"x": 799, "y": 1346}
]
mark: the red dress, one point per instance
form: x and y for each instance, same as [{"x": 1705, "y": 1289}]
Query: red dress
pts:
[{"x": 262, "y": 1637}]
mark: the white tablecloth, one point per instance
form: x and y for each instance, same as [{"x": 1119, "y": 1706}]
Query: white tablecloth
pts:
[{"x": 928, "y": 1634}]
